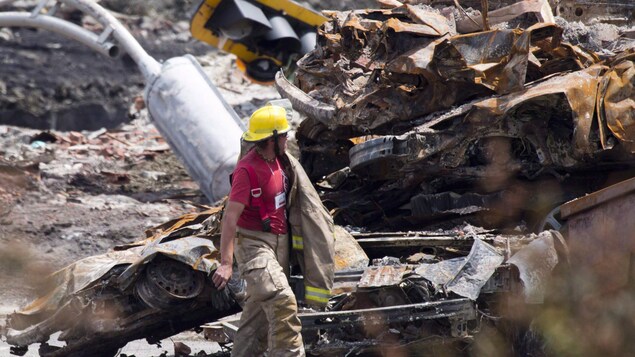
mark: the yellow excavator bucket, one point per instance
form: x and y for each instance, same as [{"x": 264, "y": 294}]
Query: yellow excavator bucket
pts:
[{"x": 265, "y": 35}]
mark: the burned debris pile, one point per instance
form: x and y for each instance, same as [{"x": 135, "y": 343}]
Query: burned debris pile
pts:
[
  {"x": 425, "y": 290},
  {"x": 153, "y": 288},
  {"x": 438, "y": 299},
  {"x": 412, "y": 123}
]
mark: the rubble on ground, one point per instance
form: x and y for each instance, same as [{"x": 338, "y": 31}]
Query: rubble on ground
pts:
[
  {"x": 440, "y": 298},
  {"x": 68, "y": 195}
]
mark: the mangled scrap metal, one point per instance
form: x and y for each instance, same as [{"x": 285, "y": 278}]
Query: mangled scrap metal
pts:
[
  {"x": 137, "y": 290},
  {"x": 464, "y": 276},
  {"x": 154, "y": 289},
  {"x": 373, "y": 65},
  {"x": 586, "y": 11},
  {"x": 410, "y": 122},
  {"x": 443, "y": 297}
]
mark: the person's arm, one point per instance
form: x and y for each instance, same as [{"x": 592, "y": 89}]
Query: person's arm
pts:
[{"x": 230, "y": 218}]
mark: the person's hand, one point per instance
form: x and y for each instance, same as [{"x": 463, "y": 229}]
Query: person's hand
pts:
[{"x": 221, "y": 276}]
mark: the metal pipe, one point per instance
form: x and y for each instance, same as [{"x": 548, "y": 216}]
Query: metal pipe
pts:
[
  {"x": 59, "y": 26},
  {"x": 197, "y": 122},
  {"x": 148, "y": 66},
  {"x": 189, "y": 111}
]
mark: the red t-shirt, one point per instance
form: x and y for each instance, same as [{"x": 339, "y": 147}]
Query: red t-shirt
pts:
[{"x": 272, "y": 181}]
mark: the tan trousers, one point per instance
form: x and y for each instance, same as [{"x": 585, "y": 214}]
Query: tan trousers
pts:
[{"x": 269, "y": 321}]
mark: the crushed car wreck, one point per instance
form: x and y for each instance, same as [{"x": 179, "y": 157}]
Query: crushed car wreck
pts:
[
  {"x": 495, "y": 111},
  {"x": 151, "y": 289}
]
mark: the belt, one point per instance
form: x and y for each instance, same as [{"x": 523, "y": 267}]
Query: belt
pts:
[{"x": 247, "y": 233}]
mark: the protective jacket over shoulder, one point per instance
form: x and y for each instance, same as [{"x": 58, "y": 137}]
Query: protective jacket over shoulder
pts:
[{"x": 312, "y": 233}]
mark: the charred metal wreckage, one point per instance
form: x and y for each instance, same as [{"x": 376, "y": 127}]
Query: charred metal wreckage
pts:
[
  {"x": 151, "y": 289},
  {"x": 411, "y": 122},
  {"x": 160, "y": 286},
  {"x": 441, "y": 296},
  {"x": 417, "y": 122}
]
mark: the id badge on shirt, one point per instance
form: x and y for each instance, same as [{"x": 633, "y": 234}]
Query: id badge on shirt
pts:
[{"x": 281, "y": 199}]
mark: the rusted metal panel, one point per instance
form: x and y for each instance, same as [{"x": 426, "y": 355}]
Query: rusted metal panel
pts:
[
  {"x": 601, "y": 197},
  {"x": 618, "y": 104},
  {"x": 621, "y": 12},
  {"x": 475, "y": 23},
  {"x": 349, "y": 255},
  {"x": 618, "y": 12},
  {"x": 601, "y": 238}
]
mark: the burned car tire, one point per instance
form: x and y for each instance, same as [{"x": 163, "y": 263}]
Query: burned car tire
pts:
[{"x": 166, "y": 283}]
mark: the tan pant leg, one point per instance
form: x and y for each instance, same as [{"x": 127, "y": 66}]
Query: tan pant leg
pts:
[
  {"x": 268, "y": 294},
  {"x": 285, "y": 339}
]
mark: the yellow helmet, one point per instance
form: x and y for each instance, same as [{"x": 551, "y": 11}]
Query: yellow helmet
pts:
[{"x": 264, "y": 121}]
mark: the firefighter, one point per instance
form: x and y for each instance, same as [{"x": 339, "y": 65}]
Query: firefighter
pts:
[{"x": 273, "y": 211}]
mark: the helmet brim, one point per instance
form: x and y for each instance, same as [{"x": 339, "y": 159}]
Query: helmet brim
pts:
[{"x": 250, "y": 137}]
